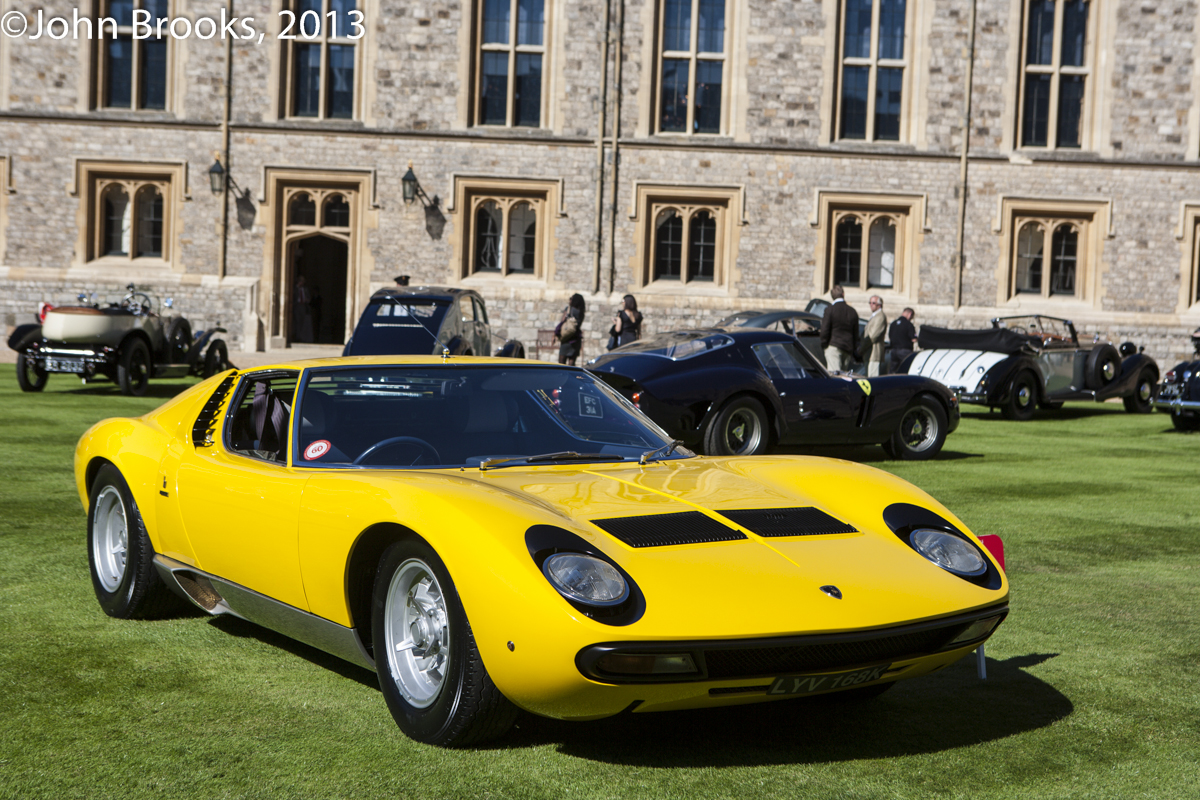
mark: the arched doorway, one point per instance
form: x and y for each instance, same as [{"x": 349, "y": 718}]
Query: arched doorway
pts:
[{"x": 316, "y": 273}]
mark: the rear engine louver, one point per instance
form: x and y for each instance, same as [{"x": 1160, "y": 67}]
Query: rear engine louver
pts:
[
  {"x": 660, "y": 530},
  {"x": 775, "y": 523}
]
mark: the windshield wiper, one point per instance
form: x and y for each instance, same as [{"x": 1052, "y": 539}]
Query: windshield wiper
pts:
[
  {"x": 566, "y": 455},
  {"x": 670, "y": 448}
]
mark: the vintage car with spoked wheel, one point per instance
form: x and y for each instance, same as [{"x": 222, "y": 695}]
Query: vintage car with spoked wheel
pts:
[
  {"x": 1025, "y": 362},
  {"x": 492, "y": 536},
  {"x": 739, "y": 391},
  {"x": 128, "y": 342},
  {"x": 1179, "y": 392}
]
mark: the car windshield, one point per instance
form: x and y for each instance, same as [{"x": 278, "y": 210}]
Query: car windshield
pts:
[
  {"x": 738, "y": 319},
  {"x": 404, "y": 325},
  {"x": 459, "y": 416},
  {"x": 1035, "y": 325},
  {"x": 679, "y": 344}
]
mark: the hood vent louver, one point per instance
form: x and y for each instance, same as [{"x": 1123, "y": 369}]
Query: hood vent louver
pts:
[
  {"x": 661, "y": 530},
  {"x": 777, "y": 523}
]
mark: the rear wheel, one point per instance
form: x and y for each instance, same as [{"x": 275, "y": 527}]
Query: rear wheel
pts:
[
  {"x": 921, "y": 433},
  {"x": 120, "y": 555},
  {"x": 1022, "y": 397},
  {"x": 1142, "y": 399},
  {"x": 738, "y": 429},
  {"x": 30, "y": 377},
  {"x": 429, "y": 668},
  {"x": 133, "y": 368},
  {"x": 179, "y": 340}
]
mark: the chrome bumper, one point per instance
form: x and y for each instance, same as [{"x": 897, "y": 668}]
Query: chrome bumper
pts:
[{"x": 1175, "y": 404}]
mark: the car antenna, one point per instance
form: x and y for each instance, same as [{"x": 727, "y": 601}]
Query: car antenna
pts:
[{"x": 445, "y": 350}]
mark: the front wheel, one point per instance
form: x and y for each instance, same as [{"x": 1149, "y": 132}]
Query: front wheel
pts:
[
  {"x": 1142, "y": 399},
  {"x": 30, "y": 377},
  {"x": 738, "y": 429},
  {"x": 922, "y": 431},
  {"x": 429, "y": 668},
  {"x": 133, "y": 368},
  {"x": 1022, "y": 398},
  {"x": 120, "y": 555}
]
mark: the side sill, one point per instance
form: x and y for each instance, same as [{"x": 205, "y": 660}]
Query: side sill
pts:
[{"x": 217, "y": 596}]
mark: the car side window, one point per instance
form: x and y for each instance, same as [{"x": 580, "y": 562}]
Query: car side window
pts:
[
  {"x": 783, "y": 361},
  {"x": 259, "y": 420},
  {"x": 480, "y": 310},
  {"x": 804, "y": 327},
  {"x": 464, "y": 306}
]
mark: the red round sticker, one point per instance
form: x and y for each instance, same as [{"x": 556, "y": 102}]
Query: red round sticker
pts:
[{"x": 317, "y": 449}]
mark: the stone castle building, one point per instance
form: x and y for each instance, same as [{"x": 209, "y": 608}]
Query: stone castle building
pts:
[{"x": 706, "y": 156}]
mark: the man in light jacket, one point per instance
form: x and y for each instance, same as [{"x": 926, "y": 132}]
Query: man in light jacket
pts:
[{"x": 873, "y": 336}]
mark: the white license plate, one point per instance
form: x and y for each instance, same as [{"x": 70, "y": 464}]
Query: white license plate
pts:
[
  {"x": 64, "y": 365},
  {"x": 807, "y": 684}
]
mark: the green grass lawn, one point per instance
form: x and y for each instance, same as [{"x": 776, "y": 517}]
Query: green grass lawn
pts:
[{"x": 1093, "y": 689}]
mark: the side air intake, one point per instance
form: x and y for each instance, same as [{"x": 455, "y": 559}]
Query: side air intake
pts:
[
  {"x": 661, "y": 530},
  {"x": 776, "y": 523}
]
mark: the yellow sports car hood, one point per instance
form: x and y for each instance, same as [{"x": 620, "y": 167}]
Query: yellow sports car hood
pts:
[{"x": 757, "y": 579}]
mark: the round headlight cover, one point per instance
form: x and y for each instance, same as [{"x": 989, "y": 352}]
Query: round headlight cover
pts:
[
  {"x": 948, "y": 551},
  {"x": 586, "y": 579}
]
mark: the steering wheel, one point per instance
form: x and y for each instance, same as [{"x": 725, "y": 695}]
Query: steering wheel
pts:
[
  {"x": 421, "y": 443},
  {"x": 138, "y": 302}
]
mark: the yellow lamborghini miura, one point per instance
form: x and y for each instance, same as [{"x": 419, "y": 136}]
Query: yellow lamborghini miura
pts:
[{"x": 491, "y": 535}]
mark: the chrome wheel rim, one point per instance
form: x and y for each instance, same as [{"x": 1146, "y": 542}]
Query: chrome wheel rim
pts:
[
  {"x": 1145, "y": 389},
  {"x": 110, "y": 538},
  {"x": 743, "y": 432},
  {"x": 1108, "y": 370},
  {"x": 918, "y": 429},
  {"x": 416, "y": 627},
  {"x": 1024, "y": 395}
]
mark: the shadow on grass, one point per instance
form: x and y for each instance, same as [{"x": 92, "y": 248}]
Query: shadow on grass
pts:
[
  {"x": 863, "y": 454},
  {"x": 248, "y": 630},
  {"x": 1045, "y": 415},
  {"x": 949, "y": 710},
  {"x": 163, "y": 391}
]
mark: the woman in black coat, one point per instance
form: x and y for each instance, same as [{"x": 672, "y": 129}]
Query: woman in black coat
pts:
[
  {"x": 571, "y": 334},
  {"x": 628, "y": 326}
]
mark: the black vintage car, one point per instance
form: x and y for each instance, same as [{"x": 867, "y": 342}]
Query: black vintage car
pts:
[
  {"x": 1179, "y": 392},
  {"x": 1024, "y": 362},
  {"x": 128, "y": 342},
  {"x": 412, "y": 320},
  {"x": 737, "y": 391},
  {"x": 804, "y": 325}
]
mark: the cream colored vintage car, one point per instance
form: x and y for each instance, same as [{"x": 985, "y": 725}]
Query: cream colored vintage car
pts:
[{"x": 127, "y": 342}]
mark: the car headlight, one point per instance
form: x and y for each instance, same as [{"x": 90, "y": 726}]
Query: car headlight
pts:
[
  {"x": 585, "y": 579},
  {"x": 948, "y": 551}
]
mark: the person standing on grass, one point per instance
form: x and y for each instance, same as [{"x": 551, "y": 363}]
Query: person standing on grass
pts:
[
  {"x": 902, "y": 335},
  {"x": 570, "y": 330},
  {"x": 873, "y": 336},
  {"x": 839, "y": 332}
]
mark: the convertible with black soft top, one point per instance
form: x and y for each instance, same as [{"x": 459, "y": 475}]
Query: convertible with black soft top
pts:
[{"x": 1021, "y": 363}]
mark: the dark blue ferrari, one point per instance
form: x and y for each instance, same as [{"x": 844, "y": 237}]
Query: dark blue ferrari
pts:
[{"x": 738, "y": 391}]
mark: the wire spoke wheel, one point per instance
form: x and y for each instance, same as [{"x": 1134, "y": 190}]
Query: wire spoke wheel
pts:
[
  {"x": 918, "y": 429},
  {"x": 417, "y": 631},
  {"x": 110, "y": 540}
]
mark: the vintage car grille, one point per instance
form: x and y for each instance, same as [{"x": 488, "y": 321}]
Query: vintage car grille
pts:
[
  {"x": 780, "y": 522},
  {"x": 767, "y": 661},
  {"x": 660, "y": 530}
]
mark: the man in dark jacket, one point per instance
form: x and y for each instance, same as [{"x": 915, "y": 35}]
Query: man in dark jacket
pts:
[
  {"x": 839, "y": 332},
  {"x": 903, "y": 337}
]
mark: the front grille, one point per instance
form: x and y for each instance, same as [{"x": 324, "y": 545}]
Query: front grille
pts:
[
  {"x": 780, "y": 522},
  {"x": 747, "y": 662},
  {"x": 661, "y": 530}
]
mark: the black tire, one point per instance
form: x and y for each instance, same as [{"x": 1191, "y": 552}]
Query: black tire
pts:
[
  {"x": 459, "y": 705},
  {"x": 179, "y": 341},
  {"x": 1103, "y": 366},
  {"x": 1185, "y": 423},
  {"x": 922, "y": 431},
  {"x": 120, "y": 555},
  {"x": 133, "y": 368},
  {"x": 1142, "y": 399},
  {"x": 30, "y": 377},
  {"x": 1022, "y": 397},
  {"x": 738, "y": 429},
  {"x": 216, "y": 359}
]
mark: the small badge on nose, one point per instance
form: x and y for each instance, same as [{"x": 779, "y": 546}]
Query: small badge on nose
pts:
[{"x": 832, "y": 591}]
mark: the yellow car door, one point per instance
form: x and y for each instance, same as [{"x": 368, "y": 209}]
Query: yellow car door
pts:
[{"x": 239, "y": 499}]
